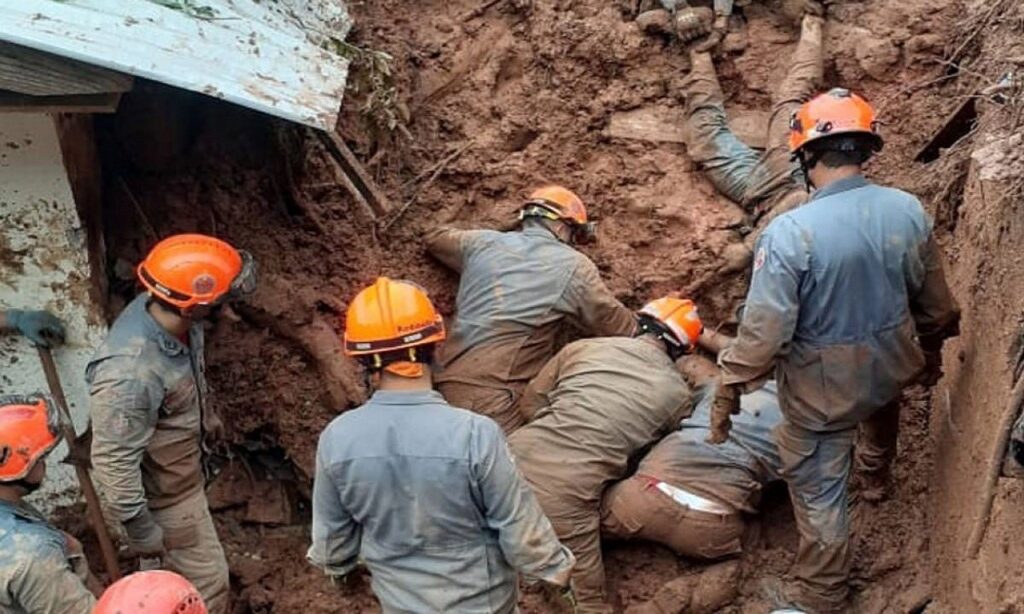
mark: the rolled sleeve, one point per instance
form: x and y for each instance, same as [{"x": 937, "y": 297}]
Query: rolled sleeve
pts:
[
  {"x": 336, "y": 535},
  {"x": 772, "y": 307},
  {"x": 598, "y": 312},
  {"x": 124, "y": 412},
  {"x": 45, "y": 582},
  {"x": 525, "y": 534}
]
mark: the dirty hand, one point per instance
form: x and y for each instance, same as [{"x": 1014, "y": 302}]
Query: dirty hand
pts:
[
  {"x": 726, "y": 403},
  {"x": 692, "y": 23},
  {"x": 40, "y": 327},
  {"x": 213, "y": 426},
  {"x": 145, "y": 537}
]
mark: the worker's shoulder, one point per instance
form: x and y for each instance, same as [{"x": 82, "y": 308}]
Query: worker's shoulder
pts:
[{"x": 20, "y": 536}]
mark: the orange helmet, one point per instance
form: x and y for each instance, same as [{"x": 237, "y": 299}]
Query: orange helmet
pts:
[
  {"x": 838, "y": 111},
  {"x": 388, "y": 316},
  {"x": 556, "y": 203},
  {"x": 676, "y": 316},
  {"x": 29, "y": 429},
  {"x": 191, "y": 269},
  {"x": 151, "y": 592}
]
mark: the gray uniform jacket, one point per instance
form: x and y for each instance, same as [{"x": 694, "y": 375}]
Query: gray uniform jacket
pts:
[
  {"x": 517, "y": 291},
  {"x": 429, "y": 498},
  {"x": 146, "y": 392},
  {"x": 36, "y": 572},
  {"x": 839, "y": 290},
  {"x": 732, "y": 473}
]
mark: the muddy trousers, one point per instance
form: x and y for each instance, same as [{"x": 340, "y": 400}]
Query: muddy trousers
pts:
[
  {"x": 194, "y": 550},
  {"x": 498, "y": 404},
  {"x": 578, "y": 527},
  {"x": 635, "y": 509},
  {"x": 876, "y": 441},
  {"x": 816, "y": 466},
  {"x": 743, "y": 174}
]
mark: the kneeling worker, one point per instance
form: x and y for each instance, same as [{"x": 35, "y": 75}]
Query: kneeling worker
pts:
[
  {"x": 424, "y": 493},
  {"x": 42, "y": 569},
  {"x": 595, "y": 405}
]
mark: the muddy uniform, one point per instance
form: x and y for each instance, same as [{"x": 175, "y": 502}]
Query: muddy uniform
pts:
[
  {"x": 593, "y": 407},
  {"x": 428, "y": 497},
  {"x": 147, "y": 391},
  {"x": 689, "y": 494},
  {"x": 516, "y": 292},
  {"x": 765, "y": 183},
  {"x": 838, "y": 288},
  {"x": 38, "y": 572}
]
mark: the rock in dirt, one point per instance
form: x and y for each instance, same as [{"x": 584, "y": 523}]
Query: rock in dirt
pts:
[
  {"x": 877, "y": 56},
  {"x": 703, "y": 593}
]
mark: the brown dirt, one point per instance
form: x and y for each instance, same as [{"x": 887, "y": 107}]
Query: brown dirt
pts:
[{"x": 530, "y": 95}]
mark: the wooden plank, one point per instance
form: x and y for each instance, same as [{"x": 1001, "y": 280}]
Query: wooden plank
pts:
[
  {"x": 358, "y": 181},
  {"x": 90, "y": 103},
  {"x": 35, "y": 73}
]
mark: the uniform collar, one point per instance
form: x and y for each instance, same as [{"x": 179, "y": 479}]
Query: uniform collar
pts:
[
  {"x": 168, "y": 343},
  {"x": 407, "y": 397},
  {"x": 850, "y": 183},
  {"x": 538, "y": 230},
  {"x": 21, "y": 510}
]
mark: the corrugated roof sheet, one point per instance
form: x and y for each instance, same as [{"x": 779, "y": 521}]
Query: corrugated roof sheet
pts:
[{"x": 268, "y": 55}]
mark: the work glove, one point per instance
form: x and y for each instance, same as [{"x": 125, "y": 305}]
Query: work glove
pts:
[
  {"x": 726, "y": 403},
  {"x": 40, "y": 327},
  {"x": 145, "y": 537}
]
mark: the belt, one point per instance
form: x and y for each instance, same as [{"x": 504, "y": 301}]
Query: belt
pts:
[{"x": 688, "y": 499}]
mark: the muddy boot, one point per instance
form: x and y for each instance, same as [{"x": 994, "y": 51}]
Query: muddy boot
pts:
[{"x": 778, "y": 595}]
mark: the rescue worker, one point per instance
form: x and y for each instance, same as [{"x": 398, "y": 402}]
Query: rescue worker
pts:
[
  {"x": 42, "y": 328},
  {"x": 595, "y": 405},
  {"x": 848, "y": 303},
  {"x": 148, "y": 405},
  {"x": 691, "y": 495},
  {"x": 516, "y": 293},
  {"x": 423, "y": 493},
  {"x": 42, "y": 569},
  {"x": 151, "y": 592}
]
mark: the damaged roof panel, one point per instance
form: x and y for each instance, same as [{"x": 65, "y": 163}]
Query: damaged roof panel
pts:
[{"x": 268, "y": 55}]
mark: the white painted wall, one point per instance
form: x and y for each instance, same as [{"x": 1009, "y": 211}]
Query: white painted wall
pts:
[{"x": 44, "y": 265}]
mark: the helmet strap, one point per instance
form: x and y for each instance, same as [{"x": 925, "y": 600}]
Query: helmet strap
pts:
[{"x": 648, "y": 325}]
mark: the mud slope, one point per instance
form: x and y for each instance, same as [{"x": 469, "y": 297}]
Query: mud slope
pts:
[{"x": 526, "y": 97}]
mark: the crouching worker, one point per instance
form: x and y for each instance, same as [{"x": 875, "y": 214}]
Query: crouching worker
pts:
[
  {"x": 151, "y": 592},
  {"x": 595, "y": 405},
  {"x": 689, "y": 494},
  {"x": 42, "y": 569},
  {"x": 423, "y": 493}
]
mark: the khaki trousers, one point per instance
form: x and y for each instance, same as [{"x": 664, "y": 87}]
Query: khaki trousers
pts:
[
  {"x": 635, "y": 509},
  {"x": 194, "y": 550},
  {"x": 498, "y": 404}
]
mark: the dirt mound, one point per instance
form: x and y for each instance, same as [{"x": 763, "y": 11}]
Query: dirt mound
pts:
[{"x": 512, "y": 98}]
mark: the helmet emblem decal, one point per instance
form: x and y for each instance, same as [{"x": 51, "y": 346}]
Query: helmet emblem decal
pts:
[{"x": 203, "y": 284}]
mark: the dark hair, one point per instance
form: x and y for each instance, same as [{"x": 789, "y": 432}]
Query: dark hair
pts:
[
  {"x": 842, "y": 150},
  {"x": 649, "y": 325},
  {"x": 420, "y": 353}
]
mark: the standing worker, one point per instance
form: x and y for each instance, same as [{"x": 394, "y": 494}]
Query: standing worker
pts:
[
  {"x": 425, "y": 494},
  {"x": 593, "y": 407},
  {"x": 516, "y": 292},
  {"x": 848, "y": 303},
  {"x": 150, "y": 419},
  {"x": 42, "y": 569}
]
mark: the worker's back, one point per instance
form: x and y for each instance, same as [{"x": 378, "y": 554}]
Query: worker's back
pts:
[
  {"x": 612, "y": 397},
  {"x": 515, "y": 291},
  {"x": 418, "y": 478},
  {"x": 855, "y": 252}
]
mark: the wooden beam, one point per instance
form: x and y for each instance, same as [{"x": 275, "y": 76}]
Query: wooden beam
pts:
[
  {"x": 92, "y": 103},
  {"x": 36, "y": 73},
  {"x": 356, "y": 180}
]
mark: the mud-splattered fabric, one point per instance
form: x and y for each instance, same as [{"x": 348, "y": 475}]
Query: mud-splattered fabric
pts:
[
  {"x": 517, "y": 293},
  {"x": 428, "y": 497},
  {"x": 730, "y": 475},
  {"x": 146, "y": 390},
  {"x": 38, "y": 573},
  {"x": 592, "y": 408}
]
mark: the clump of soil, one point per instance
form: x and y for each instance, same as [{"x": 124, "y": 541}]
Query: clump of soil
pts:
[{"x": 527, "y": 94}]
